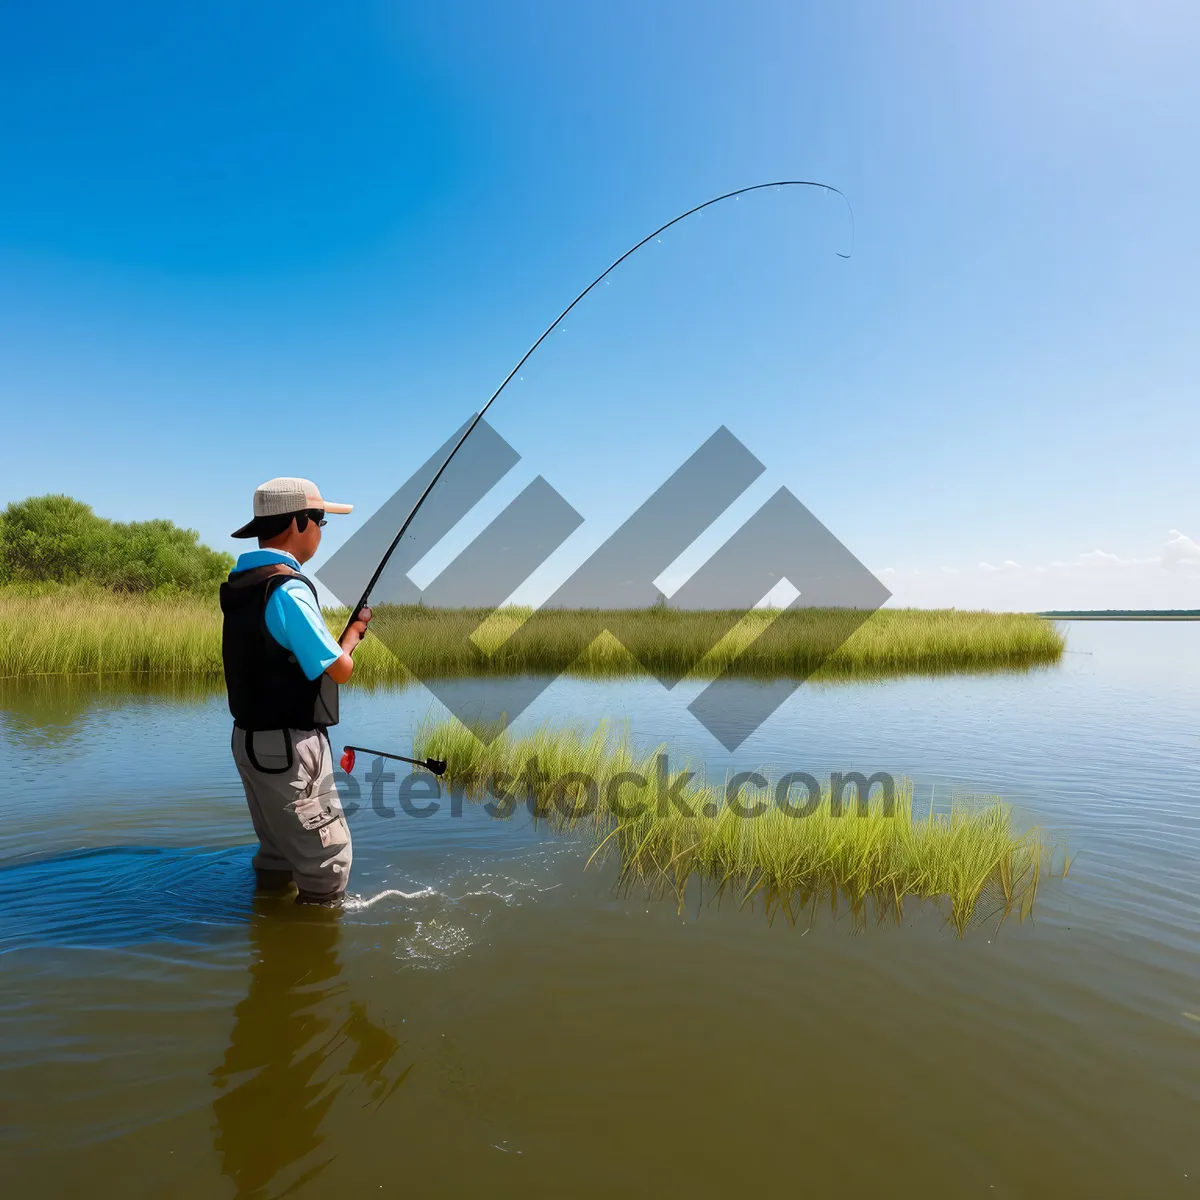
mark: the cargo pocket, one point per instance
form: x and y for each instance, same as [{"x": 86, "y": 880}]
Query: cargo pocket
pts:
[
  {"x": 335, "y": 833},
  {"x": 317, "y": 807}
]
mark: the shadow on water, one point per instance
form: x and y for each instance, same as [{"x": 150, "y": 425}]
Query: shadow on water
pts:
[
  {"x": 298, "y": 1043},
  {"x": 125, "y": 896}
]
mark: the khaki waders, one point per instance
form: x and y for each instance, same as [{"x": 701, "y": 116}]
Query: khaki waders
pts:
[{"x": 302, "y": 832}]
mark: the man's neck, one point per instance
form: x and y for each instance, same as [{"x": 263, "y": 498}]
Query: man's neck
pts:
[{"x": 283, "y": 548}]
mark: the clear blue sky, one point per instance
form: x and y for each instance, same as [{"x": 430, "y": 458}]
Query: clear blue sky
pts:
[{"x": 245, "y": 240}]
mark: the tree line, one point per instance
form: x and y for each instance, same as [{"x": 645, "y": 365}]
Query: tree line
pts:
[{"x": 57, "y": 539}]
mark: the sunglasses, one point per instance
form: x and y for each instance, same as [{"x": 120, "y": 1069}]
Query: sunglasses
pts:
[{"x": 316, "y": 515}]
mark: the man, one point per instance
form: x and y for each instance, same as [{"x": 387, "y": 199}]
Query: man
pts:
[{"x": 282, "y": 670}]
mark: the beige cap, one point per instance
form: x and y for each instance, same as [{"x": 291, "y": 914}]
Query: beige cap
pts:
[{"x": 287, "y": 494}]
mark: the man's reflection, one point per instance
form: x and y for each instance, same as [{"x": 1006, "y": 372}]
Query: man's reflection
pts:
[{"x": 296, "y": 1042}]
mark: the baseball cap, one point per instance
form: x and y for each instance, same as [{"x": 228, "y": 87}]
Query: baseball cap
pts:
[{"x": 287, "y": 494}]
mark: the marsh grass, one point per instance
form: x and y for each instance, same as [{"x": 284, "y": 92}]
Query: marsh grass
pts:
[
  {"x": 89, "y": 630},
  {"x": 84, "y": 630},
  {"x": 854, "y": 853},
  {"x": 816, "y": 643}
]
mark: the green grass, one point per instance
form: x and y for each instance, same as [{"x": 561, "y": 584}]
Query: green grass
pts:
[
  {"x": 970, "y": 859},
  {"x": 81, "y": 630},
  {"x": 48, "y": 630},
  {"x": 833, "y": 643}
]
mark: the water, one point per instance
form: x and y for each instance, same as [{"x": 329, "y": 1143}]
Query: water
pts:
[{"x": 489, "y": 1017}]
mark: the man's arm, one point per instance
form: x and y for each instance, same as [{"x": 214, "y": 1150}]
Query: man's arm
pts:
[{"x": 294, "y": 620}]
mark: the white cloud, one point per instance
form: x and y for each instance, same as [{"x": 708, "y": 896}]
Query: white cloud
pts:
[
  {"x": 1097, "y": 578},
  {"x": 1099, "y": 558},
  {"x": 1180, "y": 552}
]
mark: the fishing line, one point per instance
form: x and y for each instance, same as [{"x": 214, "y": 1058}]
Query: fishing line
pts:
[{"x": 756, "y": 187}]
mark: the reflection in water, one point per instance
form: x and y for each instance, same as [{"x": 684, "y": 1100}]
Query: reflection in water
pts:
[
  {"x": 55, "y": 710},
  {"x": 296, "y": 1045}
]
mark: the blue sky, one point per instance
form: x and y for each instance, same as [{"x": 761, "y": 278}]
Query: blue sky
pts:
[{"x": 246, "y": 240}]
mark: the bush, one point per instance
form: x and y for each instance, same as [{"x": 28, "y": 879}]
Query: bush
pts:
[{"x": 55, "y": 539}]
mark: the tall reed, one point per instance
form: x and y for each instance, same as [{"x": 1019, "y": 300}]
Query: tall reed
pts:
[
  {"x": 795, "y": 851},
  {"x": 92, "y": 631}
]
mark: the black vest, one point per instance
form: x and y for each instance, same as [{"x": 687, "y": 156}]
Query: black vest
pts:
[{"x": 267, "y": 689}]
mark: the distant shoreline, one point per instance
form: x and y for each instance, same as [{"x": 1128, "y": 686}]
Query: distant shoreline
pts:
[{"x": 1120, "y": 614}]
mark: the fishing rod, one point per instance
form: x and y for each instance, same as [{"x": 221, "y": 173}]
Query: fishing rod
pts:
[
  {"x": 416, "y": 508},
  {"x": 436, "y": 765}
]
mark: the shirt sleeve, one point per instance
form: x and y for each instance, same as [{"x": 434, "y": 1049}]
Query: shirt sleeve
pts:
[{"x": 295, "y": 622}]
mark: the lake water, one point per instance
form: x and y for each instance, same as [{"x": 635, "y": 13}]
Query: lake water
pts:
[{"x": 491, "y": 1018}]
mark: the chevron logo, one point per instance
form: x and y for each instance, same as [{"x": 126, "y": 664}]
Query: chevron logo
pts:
[{"x": 781, "y": 541}]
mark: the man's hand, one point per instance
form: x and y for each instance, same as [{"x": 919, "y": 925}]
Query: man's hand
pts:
[
  {"x": 356, "y": 630},
  {"x": 341, "y": 670}
]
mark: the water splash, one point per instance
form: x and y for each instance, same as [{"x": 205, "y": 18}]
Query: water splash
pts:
[{"x": 360, "y": 903}]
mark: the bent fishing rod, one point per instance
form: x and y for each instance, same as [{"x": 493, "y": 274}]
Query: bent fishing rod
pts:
[{"x": 416, "y": 508}]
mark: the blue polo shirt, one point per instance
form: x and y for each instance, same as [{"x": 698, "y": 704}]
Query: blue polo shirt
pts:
[{"x": 293, "y": 618}]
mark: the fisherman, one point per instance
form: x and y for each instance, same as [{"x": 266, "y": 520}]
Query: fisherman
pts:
[{"x": 282, "y": 671}]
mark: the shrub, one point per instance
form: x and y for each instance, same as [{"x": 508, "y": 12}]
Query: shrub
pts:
[{"x": 55, "y": 539}]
